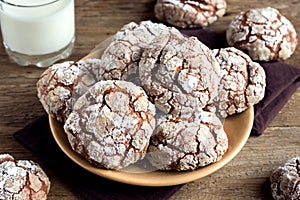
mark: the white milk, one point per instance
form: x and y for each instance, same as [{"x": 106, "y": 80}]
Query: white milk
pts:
[{"x": 37, "y": 30}]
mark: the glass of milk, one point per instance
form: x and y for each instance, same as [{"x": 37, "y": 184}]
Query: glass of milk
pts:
[{"x": 37, "y": 32}]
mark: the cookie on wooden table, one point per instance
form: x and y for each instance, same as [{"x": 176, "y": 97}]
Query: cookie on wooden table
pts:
[
  {"x": 189, "y": 13},
  {"x": 111, "y": 124},
  {"x": 263, "y": 33},
  {"x": 285, "y": 180},
  {"x": 22, "y": 179}
]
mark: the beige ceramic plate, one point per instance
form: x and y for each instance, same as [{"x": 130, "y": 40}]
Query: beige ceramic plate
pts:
[{"x": 237, "y": 127}]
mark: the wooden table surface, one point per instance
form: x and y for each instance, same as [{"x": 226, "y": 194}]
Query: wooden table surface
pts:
[{"x": 245, "y": 177}]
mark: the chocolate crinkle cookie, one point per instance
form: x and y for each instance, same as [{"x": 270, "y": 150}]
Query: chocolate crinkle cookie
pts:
[
  {"x": 263, "y": 33},
  {"x": 189, "y": 13},
  {"x": 180, "y": 76},
  {"x": 120, "y": 59},
  {"x": 111, "y": 124},
  {"x": 242, "y": 83},
  {"x": 61, "y": 84},
  {"x": 187, "y": 143},
  {"x": 22, "y": 179},
  {"x": 285, "y": 181}
]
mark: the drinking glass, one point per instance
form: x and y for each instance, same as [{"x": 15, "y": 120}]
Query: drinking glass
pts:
[{"x": 37, "y": 32}]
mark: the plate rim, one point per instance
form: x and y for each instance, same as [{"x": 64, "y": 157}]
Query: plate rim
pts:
[{"x": 153, "y": 178}]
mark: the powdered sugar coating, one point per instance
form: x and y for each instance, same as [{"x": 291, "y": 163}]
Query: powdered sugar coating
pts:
[
  {"x": 120, "y": 59},
  {"x": 189, "y": 13},
  {"x": 111, "y": 124},
  {"x": 187, "y": 143},
  {"x": 242, "y": 82},
  {"x": 61, "y": 84},
  {"x": 285, "y": 181},
  {"x": 264, "y": 33},
  {"x": 22, "y": 179},
  {"x": 180, "y": 76}
]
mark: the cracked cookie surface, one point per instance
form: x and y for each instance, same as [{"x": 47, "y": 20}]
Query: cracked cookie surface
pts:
[
  {"x": 187, "y": 143},
  {"x": 120, "y": 59},
  {"x": 61, "y": 84},
  {"x": 285, "y": 181},
  {"x": 189, "y": 13},
  {"x": 179, "y": 76},
  {"x": 111, "y": 124},
  {"x": 263, "y": 33},
  {"x": 242, "y": 83},
  {"x": 22, "y": 179}
]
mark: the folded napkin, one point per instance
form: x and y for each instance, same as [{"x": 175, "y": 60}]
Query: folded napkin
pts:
[{"x": 282, "y": 81}]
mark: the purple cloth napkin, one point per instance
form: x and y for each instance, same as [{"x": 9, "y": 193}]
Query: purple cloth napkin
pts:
[{"x": 282, "y": 81}]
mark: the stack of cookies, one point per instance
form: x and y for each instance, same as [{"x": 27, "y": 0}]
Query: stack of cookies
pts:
[
  {"x": 153, "y": 94},
  {"x": 22, "y": 179}
]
